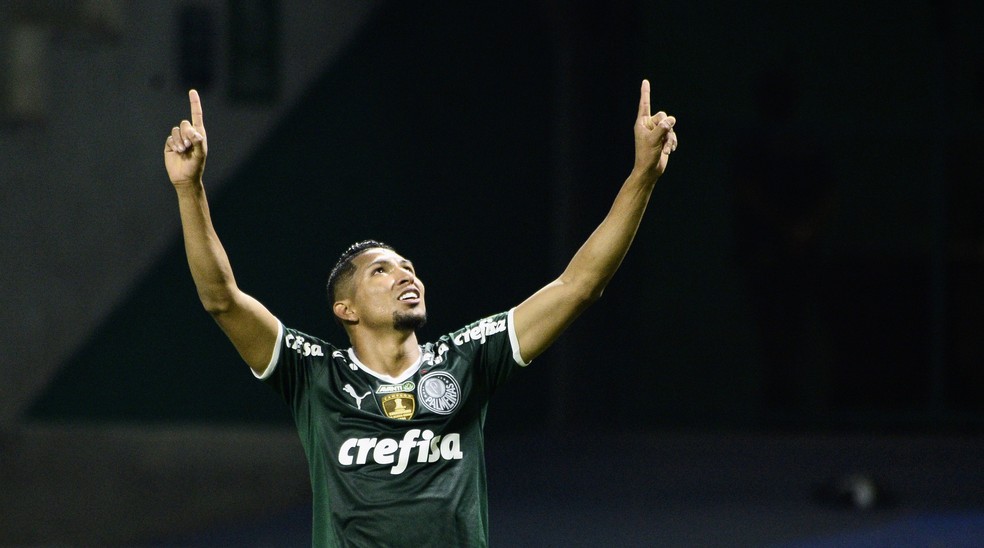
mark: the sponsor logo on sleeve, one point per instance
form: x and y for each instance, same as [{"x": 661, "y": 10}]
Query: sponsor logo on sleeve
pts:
[
  {"x": 485, "y": 328},
  {"x": 439, "y": 392},
  {"x": 302, "y": 346}
]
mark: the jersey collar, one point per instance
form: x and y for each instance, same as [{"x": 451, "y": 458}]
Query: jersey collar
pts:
[{"x": 386, "y": 378}]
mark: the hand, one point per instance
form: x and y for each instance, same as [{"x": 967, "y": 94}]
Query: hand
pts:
[
  {"x": 654, "y": 137},
  {"x": 186, "y": 148}
]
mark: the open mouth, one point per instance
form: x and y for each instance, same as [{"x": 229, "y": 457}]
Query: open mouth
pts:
[{"x": 409, "y": 295}]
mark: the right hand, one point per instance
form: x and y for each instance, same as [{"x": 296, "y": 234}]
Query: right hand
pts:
[
  {"x": 654, "y": 137},
  {"x": 187, "y": 146}
]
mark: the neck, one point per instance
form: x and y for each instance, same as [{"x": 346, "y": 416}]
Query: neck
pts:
[{"x": 390, "y": 353}]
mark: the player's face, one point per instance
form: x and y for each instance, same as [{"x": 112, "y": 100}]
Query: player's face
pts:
[{"x": 387, "y": 291}]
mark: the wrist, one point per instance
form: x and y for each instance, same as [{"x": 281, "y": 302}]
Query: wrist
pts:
[
  {"x": 189, "y": 187},
  {"x": 645, "y": 174}
]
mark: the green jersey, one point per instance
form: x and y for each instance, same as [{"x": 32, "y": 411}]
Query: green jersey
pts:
[{"x": 397, "y": 461}]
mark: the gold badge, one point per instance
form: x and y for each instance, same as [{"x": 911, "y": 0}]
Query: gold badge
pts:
[{"x": 399, "y": 406}]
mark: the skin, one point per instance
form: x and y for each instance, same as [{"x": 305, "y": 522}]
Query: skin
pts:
[{"x": 367, "y": 303}]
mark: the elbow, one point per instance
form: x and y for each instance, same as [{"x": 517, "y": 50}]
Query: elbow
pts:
[
  {"x": 216, "y": 308},
  {"x": 591, "y": 297},
  {"x": 582, "y": 292},
  {"x": 216, "y": 303},
  {"x": 590, "y": 288},
  {"x": 587, "y": 295},
  {"x": 595, "y": 295}
]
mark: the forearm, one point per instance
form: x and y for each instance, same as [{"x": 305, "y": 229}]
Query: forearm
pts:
[
  {"x": 207, "y": 259},
  {"x": 540, "y": 319},
  {"x": 594, "y": 264}
]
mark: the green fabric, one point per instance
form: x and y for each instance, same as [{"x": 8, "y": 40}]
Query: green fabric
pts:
[{"x": 396, "y": 461}]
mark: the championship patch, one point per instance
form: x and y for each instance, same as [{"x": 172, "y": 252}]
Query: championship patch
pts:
[
  {"x": 399, "y": 406},
  {"x": 439, "y": 392}
]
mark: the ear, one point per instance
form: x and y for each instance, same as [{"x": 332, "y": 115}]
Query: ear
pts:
[{"x": 344, "y": 312}]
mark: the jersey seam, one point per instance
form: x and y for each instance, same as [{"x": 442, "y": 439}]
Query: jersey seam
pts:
[
  {"x": 268, "y": 372},
  {"x": 517, "y": 356}
]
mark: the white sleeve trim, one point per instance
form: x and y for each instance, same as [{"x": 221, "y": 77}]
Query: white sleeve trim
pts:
[
  {"x": 275, "y": 357},
  {"x": 514, "y": 341}
]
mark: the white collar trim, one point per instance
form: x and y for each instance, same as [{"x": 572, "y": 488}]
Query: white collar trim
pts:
[{"x": 391, "y": 380}]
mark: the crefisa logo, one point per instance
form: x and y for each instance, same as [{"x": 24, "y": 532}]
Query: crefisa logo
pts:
[{"x": 439, "y": 392}]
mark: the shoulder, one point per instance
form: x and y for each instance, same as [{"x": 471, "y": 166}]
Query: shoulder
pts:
[
  {"x": 303, "y": 344},
  {"x": 492, "y": 335},
  {"x": 479, "y": 332}
]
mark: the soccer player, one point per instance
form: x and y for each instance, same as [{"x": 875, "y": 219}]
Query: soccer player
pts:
[{"x": 392, "y": 428}]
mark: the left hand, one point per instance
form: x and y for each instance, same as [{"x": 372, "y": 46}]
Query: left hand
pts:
[
  {"x": 187, "y": 146},
  {"x": 654, "y": 137}
]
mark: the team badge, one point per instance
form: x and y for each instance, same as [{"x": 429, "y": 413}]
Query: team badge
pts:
[
  {"x": 399, "y": 406},
  {"x": 439, "y": 392}
]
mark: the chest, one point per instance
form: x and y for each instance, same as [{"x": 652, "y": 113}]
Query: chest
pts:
[{"x": 431, "y": 394}]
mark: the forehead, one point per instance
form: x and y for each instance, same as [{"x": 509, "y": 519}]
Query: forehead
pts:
[{"x": 377, "y": 255}]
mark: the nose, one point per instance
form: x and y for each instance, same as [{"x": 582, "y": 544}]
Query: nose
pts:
[{"x": 406, "y": 275}]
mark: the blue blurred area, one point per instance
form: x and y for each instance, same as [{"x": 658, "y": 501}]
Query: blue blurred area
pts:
[
  {"x": 288, "y": 529},
  {"x": 699, "y": 490},
  {"x": 629, "y": 529},
  {"x": 954, "y": 530}
]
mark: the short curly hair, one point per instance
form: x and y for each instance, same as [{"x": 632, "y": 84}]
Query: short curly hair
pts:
[{"x": 344, "y": 268}]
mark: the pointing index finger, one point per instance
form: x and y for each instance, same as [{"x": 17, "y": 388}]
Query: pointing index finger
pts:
[
  {"x": 197, "y": 117},
  {"x": 644, "y": 99}
]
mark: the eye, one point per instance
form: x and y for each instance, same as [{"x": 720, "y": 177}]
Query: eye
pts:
[{"x": 378, "y": 270}]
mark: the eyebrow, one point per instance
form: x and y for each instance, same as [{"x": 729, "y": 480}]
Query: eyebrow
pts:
[{"x": 401, "y": 262}]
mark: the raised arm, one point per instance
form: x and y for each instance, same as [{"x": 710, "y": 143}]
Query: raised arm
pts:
[
  {"x": 541, "y": 318},
  {"x": 248, "y": 324}
]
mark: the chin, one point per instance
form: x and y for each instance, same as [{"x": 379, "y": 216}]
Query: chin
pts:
[{"x": 409, "y": 321}]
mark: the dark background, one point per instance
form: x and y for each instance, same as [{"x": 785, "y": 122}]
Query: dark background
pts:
[
  {"x": 487, "y": 144},
  {"x": 809, "y": 269}
]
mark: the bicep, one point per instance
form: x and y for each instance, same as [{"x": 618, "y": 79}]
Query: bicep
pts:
[
  {"x": 541, "y": 318},
  {"x": 252, "y": 329}
]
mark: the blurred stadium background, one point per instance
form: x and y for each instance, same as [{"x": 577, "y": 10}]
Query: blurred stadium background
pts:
[{"x": 791, "y": 354}]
